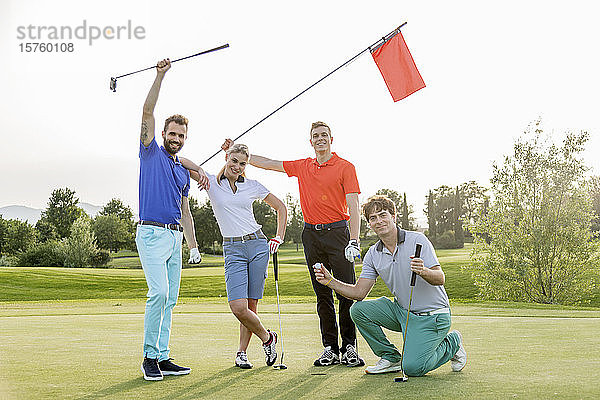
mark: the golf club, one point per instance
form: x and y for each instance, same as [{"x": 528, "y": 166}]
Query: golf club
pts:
[
  {"x": 413, "y": 279},
  {"x": 113, "y": 80},
  {"x": 281, "y": 365}
]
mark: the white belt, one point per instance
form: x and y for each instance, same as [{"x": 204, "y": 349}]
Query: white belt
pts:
[{"x": 445, "y": 310}]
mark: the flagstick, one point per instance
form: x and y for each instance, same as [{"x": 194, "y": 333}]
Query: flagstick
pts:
[{"x": 376, "y": 44}]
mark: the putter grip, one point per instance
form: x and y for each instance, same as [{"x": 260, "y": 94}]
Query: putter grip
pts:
[
  {"x": 413, "y": 277},
  {"x": 275, "y": 266}
]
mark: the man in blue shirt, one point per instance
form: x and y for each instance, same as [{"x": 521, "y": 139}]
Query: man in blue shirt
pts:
[{"x": 164, "y": 216}]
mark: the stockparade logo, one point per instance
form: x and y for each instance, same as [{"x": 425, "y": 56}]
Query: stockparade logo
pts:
[{"x": 61, "y": 39}]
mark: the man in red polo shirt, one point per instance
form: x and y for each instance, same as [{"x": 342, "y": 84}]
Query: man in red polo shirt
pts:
[{"x": 329, "y": 199}]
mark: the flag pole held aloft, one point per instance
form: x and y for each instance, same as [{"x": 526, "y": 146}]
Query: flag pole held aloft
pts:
[{"x": 394, "y": 66}]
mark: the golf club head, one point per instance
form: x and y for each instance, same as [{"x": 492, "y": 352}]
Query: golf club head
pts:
[
  {"x": 113, "y": 84},
  {"x": 280, "y": 366},
  {"x": 401, "y": 379}
]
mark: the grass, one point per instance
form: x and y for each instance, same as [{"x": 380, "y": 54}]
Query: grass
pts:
[
  {"x": 90, "y": 349},
  {"x": 126, "y": 279},
  {"x": 76, "y": 334}
]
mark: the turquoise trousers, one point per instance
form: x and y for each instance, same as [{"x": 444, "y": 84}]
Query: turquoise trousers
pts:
[
  {"x": 160, "y": 253},
  {"x": 428, "y": 344}
]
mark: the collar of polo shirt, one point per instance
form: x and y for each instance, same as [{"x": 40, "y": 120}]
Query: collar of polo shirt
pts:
[
  {"x": 239, "y": 178},
  {"x": 401, "y": 236}
]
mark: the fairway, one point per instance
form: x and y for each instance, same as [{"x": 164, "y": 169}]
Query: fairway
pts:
[
  {"x": 91, "y": 350},
  {"x": 76, "y": 334}
]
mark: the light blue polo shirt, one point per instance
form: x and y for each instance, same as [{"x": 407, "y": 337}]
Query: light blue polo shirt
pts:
[
  {"x": 163, "y": 181},
  {"x": 394, "y": 270}
]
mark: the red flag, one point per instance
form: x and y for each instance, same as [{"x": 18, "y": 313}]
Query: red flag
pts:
[{"x": 397, "y": 67}]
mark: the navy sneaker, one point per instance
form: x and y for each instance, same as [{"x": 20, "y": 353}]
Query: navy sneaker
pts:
[
  {"x": 269, "y": 348},
  {"x": 150, "y": 370},
  {"x": 328, "y": 357},
  {"x": 351, "y": 358},
  {"x": 169, "y": 368}
]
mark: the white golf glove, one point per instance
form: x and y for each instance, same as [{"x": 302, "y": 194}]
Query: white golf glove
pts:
[
  {"x": 274, "y": 244},
  {"x": 352, "y": 251},
  {"x": 195, "y": 256}
]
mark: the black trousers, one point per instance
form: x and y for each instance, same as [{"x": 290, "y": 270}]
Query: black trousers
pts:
[{"x": 327, "y": 247}]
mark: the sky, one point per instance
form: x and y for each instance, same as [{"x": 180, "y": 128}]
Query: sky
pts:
[{"x": 491, "y": 68}]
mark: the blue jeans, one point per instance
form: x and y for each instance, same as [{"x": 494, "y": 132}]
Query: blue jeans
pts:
[{"x": 160, "y": 253}]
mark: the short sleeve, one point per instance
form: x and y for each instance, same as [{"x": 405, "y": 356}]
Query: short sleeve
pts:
[
  {"x": 260, "y": 192},
  {"x": 148, "y": 151},
  {"x": 368, "y": 268},
  {"x": 350, "y": 182},
  {"x": 291, "y": 167},
  {"x": 428, "y": 252}
]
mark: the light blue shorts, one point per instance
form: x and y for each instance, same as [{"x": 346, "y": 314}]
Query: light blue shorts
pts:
[{"x": 246, "y": 268}]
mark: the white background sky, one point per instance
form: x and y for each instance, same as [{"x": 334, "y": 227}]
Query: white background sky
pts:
[{"x": 490, "y": 69}]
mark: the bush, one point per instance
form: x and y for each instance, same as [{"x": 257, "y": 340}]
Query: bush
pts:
[
  {"x": 80, "y": 246},
  {"x": 100, "y": 259},
  {"x": 8, "y": 261},
  {"x": 447, "y": 240},
  {"x": 49, "y": 254}
]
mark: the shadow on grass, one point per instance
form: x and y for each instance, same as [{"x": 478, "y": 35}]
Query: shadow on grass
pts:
[
  {"x": 186, "y": 392},
  {"x": 222, "y": 380},
  {"x": 299, "y": 386}
]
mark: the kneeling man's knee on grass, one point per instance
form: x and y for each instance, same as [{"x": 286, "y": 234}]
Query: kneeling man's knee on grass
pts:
[{"x": 413, "y": 368}]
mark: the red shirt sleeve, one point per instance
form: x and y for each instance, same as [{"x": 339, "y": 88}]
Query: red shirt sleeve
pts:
[
  {"x": 349, "y": 179},
  {"x": 291, "y": 167}
]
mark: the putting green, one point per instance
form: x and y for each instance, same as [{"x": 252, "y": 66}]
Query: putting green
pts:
[{"x": 91, "y": 349}]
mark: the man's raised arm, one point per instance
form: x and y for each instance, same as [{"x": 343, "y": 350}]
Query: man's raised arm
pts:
[
  {"x": 147, "y": 132},
  {"x": 258, "y": 161}
]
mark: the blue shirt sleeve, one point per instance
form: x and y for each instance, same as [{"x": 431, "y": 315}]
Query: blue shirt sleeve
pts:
[{"x": 147, "y": 152}]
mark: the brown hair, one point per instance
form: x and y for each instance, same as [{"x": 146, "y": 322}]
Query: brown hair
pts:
[
  {"x": 237, "y": 148},
  {"x": 318, "y": 124},
  {"x": 378, "y": 203},
  {"x": 178, "y": 119}
]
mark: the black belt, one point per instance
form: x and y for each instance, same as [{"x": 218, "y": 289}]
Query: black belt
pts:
[
  {"x": 321, "y": 227},
  {"x": 173, "y": 227},
  {"x": 251, "y": 236}
]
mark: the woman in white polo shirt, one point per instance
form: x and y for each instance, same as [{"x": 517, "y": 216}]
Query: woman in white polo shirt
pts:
[{"x": 245, "y": 247}]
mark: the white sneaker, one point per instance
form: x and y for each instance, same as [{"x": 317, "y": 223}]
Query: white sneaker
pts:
[
  {"x": 384, "y": 366},
  {"x": 241, "y": 360},
  {"x": 460, "y": 358}
]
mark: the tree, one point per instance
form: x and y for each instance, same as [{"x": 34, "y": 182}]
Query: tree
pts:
[
  {"x": 116, "y": 207},
  {"x": 405, "y": 221},
  {"x": 473, "y": 197},
  {"x": 295, "y": 224},
  {"x": 459, "y": 236},
  {"x": 205, "y": 224},
  {"x": 535, "y": 243},
  {"x": 111, "y": 232},
  {"x": 430, "y": 212},
  {"x": 594, "y": 185},
  {"x": 80, "y": 246},
  {"x": 3, "y": 234},
  {"x": 60, "y": 214},
  {"x": 18, "y": 236},
  {"x": 265, "y": 216}
]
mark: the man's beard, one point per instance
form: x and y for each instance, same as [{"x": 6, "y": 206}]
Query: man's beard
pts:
[{"x": 168, "y": 147}]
